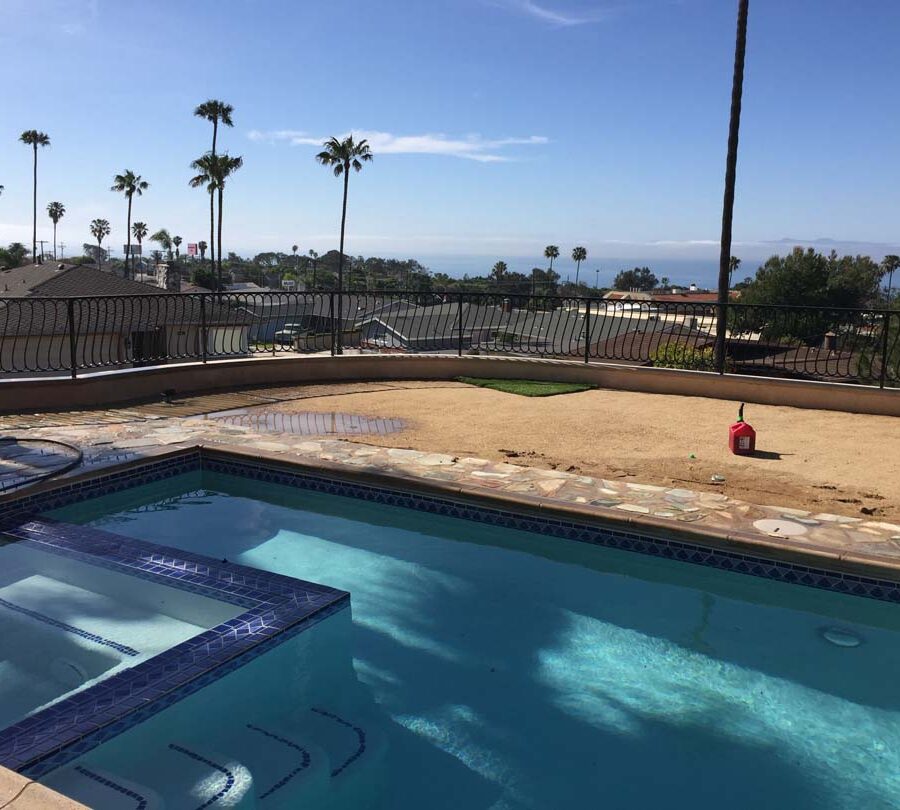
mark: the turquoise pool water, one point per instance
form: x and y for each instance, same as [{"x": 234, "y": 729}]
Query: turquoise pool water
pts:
[{"x": 510, "y": 670}]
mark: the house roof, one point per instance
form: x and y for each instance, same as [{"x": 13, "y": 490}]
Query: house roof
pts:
[
  {"x": 31, "y": 305},
  {"x": 58, "y": 279}
]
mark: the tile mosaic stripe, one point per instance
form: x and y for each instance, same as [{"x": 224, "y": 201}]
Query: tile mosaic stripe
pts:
[
  {"x": 140, "y": 801},
  {"x": 68, "y": 628}
]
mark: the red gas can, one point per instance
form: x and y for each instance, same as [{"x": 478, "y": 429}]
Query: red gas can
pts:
[{"x": 741, "y": 437}]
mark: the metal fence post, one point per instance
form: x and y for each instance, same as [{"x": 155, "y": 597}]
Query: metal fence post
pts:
[
  {"x": 884, "y": 348},
  {"x": 331, "y": 321},
  {"x": 459, "y": 325},
  {"x": 73, "y": 360},
  {"x": 587, "y": 330},
  {"x": 204, "y": 337}
]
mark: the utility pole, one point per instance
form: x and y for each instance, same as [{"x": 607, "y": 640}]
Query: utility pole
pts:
[
  {"x": 42, "y": 242},
  {"x": 62, "y": 247}
]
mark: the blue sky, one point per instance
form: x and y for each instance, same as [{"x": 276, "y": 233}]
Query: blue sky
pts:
[{"x": 499, "y": 126}]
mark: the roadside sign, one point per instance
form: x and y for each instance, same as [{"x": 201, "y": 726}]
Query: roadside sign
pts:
[
  {"x": 192, "y": 249},
  {"x": 135, "y": 250}
]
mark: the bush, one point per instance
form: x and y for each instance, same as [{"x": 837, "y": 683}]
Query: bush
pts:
[{"x": 680, "y": 355}]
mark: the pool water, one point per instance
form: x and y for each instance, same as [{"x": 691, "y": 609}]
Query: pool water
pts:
[{"x": 511, "y": 670}]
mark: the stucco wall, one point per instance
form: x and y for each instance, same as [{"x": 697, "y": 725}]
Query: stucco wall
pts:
[{"x": 112, "y": 387}]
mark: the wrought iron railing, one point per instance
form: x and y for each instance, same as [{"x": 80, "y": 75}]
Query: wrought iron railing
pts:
[{"x": 40, "y": 336}]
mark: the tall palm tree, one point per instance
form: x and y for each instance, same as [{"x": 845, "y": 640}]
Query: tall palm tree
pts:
[
  {"x": 215, "y": 112},
  {"x": 34, "y": 139},
  {"x": 100, "y": 229},
  {"x": 889, "y": 264},
  {"x": 139, "y": 232},
  {"x": 164, "y": 239},
  {"x": 56, "y": 211},
  {"x": 177, "y": 240},
  {"x": 734, "y": 126},
  {"x": 341, "y": 156},
  {"x": 129, "y": 184},
  {"x": 213, "y": 172},
  {"x": 579, "y": 254},
  {"x": 498, "y": 272}
]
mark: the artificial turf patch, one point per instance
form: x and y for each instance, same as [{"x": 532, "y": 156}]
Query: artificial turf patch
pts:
[{"x": 527, "y": 388}]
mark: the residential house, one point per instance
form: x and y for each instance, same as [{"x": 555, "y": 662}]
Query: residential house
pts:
[{"x": 117, "y": 322}]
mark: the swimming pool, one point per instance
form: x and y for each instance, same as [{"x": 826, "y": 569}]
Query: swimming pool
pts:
[{"x": 497, "y": 667}]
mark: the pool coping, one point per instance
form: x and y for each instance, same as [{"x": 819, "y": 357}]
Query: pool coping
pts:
[{"x": 276, "y": 608}]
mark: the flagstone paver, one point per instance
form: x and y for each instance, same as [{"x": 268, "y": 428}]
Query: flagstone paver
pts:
[{"x": 108, "y": 442}]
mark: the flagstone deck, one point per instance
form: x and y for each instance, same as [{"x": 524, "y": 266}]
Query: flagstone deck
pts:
[{"x": 112, "y": 437}]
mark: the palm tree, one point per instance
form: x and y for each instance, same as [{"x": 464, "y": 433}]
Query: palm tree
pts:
[
  {"x": 164, "y": 240},
  {"x": 341, "y": 155},
  {"x": 889, "y": 264},
  {"x": 100, "y": 230},
  {"x": 177, "y": 240},
  {"x": 579, "y": 254},
  {"x": 139, "y": 232},
  {"x": 56, "y": 211},
  {"x": 314, "y": 257},
  {"x": 733, "y": 264},
  {"x": 202, "y": 247},
  {"x": 34, "y": 139},
  {"x": 551, "y": 252},
  {"x": 215, "y": 112},
  {"x": 129, "y": 184},
  {"x": 734, "y": 126},
  {"x": 498, "y": 271},
  {"x": 214, "y": 171}
]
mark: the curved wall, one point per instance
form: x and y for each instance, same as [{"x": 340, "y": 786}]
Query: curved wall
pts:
[{"x": 117, "y": 387}]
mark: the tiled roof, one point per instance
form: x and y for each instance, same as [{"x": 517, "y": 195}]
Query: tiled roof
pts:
[{"x": 53, "y": 279}]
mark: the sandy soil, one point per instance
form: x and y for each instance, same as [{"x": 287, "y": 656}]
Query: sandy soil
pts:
[{"x": 817, "y": 460}]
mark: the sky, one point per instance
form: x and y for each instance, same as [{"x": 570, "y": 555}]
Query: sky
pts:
[{"x": 498, "y": 126}]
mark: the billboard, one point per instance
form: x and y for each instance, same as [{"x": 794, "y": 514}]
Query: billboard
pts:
[
  {"x": 135, "y": 250},
  {"x": 192, "y": 249}
]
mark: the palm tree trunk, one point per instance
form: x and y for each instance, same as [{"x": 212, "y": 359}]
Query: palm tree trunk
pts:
[
  {"x": 339, "y": 349},
  {"x": 212, "y": 231},
  {"x": 219, "y": 265},
  {"x": 34, "y": 256},
  {"x": 737, "y": 87},
  {"x": 577, "y": 271},
  {"x": 54, "y": 240},
  {"x": 212, "y": 213},
  {"x": 129, "y": 257},
  {"x": 99, "y": 254}
]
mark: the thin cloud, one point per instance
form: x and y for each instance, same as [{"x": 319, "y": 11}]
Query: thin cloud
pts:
[
  {"x": 564, "y": 16},
  {"x": 470, "y": 147}
]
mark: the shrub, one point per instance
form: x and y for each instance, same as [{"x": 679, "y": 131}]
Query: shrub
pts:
[{"x": 680, "y": 355}]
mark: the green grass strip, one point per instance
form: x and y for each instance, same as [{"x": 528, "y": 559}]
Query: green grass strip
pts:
[{"x": 527, "y": 388}]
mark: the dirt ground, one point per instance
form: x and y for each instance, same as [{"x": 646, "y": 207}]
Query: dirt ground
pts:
[{"x": 817, "y": 460}]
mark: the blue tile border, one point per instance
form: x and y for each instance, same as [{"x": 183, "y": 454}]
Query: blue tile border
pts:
[
  {"x": 678, "y": 550},
  {"x": 276, "y": 608}
]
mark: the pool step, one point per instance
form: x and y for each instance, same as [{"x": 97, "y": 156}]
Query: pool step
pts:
[
  {"x": 289, "y": 770},
  {"x": 356, "y": 747},
  {"x": 102, "y": 790},
  {"x": 327, "y": 758},
  {"x": 189, "y": 776}
]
